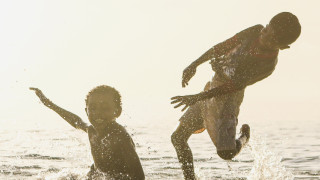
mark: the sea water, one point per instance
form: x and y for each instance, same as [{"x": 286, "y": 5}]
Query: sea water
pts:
[{"x": 286, "y": 150}]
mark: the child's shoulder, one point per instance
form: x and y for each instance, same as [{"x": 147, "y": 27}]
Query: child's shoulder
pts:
[
  {"x": 253, "y": 29},
  {"x": 120, "y": 130},
  {"x": 121, "y": 135},
  {"x": 257, "y": 27}
]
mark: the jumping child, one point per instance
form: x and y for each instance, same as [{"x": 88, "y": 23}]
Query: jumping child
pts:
[{"x": 238, "y": 62}]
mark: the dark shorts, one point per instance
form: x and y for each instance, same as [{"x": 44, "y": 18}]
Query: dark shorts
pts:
[{"x": 219, "y": 115}]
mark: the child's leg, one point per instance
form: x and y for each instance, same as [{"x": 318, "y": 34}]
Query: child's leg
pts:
[
  {"x": 220, "y": 119},
  {"x": 190, "y": 122},
  {"x": 240, "y": 142}
]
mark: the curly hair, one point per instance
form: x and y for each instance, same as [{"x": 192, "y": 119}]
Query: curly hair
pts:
[
  {"x": 104, "y": 89},
  {"x": 286, "y": 27}
]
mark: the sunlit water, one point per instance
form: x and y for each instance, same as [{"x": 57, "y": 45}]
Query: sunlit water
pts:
[{"x": 283, "y": 150}]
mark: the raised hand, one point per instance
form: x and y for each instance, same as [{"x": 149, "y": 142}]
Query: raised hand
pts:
[
  {"x": 188, "y": 73},
  {"x": 185, "y": 100},
  {"x": 41, "y": 96}
]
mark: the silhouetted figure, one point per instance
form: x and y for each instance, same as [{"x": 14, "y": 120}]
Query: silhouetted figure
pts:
[
  {"x": 238, "y": 62},
  {"x": 112, "y": 148}
]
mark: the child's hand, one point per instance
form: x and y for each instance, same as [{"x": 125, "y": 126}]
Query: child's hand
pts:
[
  {"x": 188, "y": 73},
  {"x": 41, "y": 96},
  {"x": 185, "y": 100}
]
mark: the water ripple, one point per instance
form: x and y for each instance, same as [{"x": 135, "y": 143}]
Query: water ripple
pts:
[{"x": 36, "y": 156}]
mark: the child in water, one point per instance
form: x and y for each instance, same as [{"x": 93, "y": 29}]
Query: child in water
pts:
[
  {"x": 244, "y": 59},
  {"x": 112, "y": 148}
]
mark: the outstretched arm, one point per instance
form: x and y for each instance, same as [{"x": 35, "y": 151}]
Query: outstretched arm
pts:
[
  {"x": 189, "y": 100},
  {"x": 71, "y": 118},
  {"x": 218, "y": 50},
  {"x": 190, "y": 71},
  {"x": 214, "y": 52}
]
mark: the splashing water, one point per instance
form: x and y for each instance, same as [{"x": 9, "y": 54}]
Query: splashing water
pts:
[
  {"x": 65, "y": 174},
  {"x": 267, "y": 165},
  {"x": 65, "y": 154},
  {"x": 73, "y": 174},
  {"x": 255, "y": 162}
]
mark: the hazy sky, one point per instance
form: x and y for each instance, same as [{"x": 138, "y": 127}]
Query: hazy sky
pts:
[{"x": 141, "y": 47}]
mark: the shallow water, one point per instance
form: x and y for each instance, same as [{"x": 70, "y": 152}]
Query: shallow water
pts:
[{"x": 276, "y": 151}]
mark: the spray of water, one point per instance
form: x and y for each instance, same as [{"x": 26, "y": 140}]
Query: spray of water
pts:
[
  {"x": 65, "y": 174},
  {"x": 267, "y": 164},
  {"x": 264, "y": 164}
]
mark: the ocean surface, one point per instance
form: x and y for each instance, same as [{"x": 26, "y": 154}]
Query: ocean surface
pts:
[{"x": 277, "y": 150}]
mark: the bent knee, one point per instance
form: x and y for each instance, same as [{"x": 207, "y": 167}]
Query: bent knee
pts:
[
  {"x": 177, "y": 139},
  {"x": 227, "y": 154}
]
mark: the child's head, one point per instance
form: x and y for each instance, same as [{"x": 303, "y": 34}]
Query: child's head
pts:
[
  {"x": 103, "y": 104},
  {"x": 282, "y": 30}
]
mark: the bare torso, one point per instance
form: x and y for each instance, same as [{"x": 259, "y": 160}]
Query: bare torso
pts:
[{"x": 106, "y": 149}]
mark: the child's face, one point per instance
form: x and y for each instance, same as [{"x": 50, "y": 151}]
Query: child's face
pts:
[{"x": 101, "y": 109}]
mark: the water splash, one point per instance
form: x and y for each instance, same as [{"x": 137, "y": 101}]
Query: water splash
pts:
[
  {"x": 65, "y": 174},
  {"x": 76, "y": 174},
  {"x": 267, "y": 165}
]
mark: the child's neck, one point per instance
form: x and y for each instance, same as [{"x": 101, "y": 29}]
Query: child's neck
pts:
[
  {"x": 104, "y": 128},
  {"x": 263, "y": 47}
]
